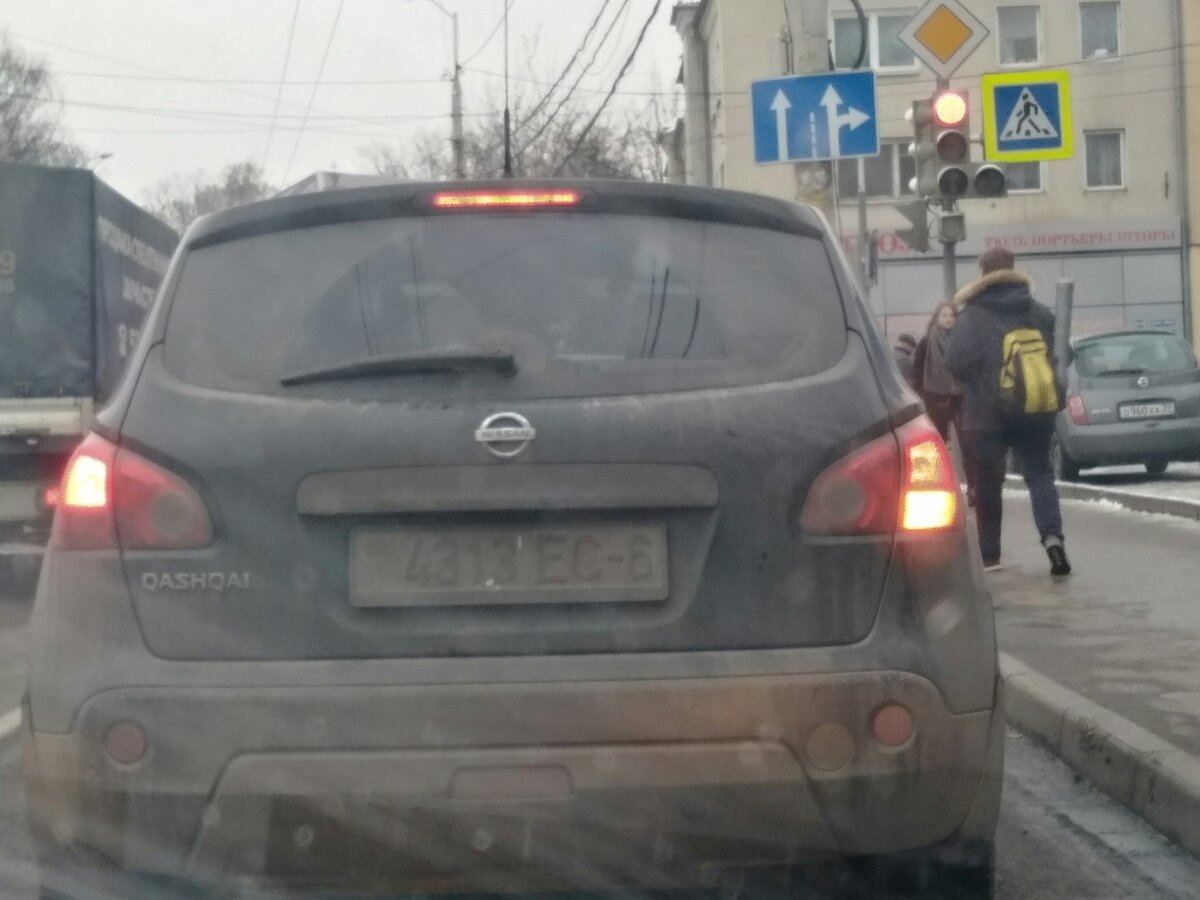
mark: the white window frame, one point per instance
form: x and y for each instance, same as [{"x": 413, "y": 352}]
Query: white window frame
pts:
[
  {"x": 871, "y": 61},
  {"x": 1124, "y": 143},
  {"x": 1041, "y": 45},
  {"x": 1120, "y": 32},
  {"x": 900, "y": 146},
  {"x": 1041, "y": 188}
]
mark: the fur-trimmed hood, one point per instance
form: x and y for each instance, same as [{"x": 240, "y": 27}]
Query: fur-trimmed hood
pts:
[{"x": 1004, "y": 278}]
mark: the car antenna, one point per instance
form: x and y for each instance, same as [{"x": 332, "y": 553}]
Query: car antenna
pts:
[{"x": 508, "y": 168}]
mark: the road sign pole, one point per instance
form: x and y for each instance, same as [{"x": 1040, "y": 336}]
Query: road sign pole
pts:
[
  {"x": 1064, "y": 302},
  {"x": 949, "y": 268}
]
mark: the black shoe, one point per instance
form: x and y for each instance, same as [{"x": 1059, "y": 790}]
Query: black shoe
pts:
[
  {"x": 1059, "y": 564},
  {"x": 991, "y": 565}
]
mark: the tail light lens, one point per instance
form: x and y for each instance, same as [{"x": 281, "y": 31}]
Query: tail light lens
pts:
[
  {"x": 109, "y": 492},
  {"x": 899, "y": 481},
  {"x": 930, "y": 488},
  {"x": 1077, "y": 410}
]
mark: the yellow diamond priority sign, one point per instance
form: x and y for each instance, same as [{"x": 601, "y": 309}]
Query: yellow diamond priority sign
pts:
[{"x": 943, "y": 34}]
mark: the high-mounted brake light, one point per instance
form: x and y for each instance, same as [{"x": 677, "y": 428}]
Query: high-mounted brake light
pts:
[
  {"x": 109, "y": 493},
  {"x": 493, "y": 199},
  {"x": 899, "y": 481}
]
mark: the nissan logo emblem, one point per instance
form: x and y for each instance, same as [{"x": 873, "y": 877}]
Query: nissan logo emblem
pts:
[{"x": 505, "y": 434}]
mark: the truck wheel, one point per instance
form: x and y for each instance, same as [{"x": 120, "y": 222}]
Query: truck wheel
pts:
[
  {"x": 18, "y": 576},
  {"x": 1156, "y": 466}
]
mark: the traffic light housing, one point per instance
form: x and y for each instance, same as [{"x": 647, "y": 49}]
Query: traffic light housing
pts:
[
  {"x": 942, "y": 150},
  {"x": 917, "y": 213}
]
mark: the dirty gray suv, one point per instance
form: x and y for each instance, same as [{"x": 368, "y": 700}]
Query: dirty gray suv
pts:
[{"x": 509, "y": 537}]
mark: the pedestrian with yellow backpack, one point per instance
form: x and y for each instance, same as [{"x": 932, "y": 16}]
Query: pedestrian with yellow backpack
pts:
[{"x": 1000, "y": 351}]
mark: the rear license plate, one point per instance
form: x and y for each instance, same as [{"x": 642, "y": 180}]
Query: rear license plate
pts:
[
  {"x": 483, "y": 566},
  {"x": 1147, "y": 410}
]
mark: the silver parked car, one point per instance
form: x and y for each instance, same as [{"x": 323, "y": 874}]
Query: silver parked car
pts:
[{"x": 1132, "y": 397}]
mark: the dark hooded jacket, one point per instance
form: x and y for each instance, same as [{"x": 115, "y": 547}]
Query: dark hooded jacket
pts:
[{"x": 989, "y": 308}]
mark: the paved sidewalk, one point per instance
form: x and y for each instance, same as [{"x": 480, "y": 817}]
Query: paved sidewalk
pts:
[
  {"x": 1104, "y": 666},
  {"x": 1124, "y": 630}
]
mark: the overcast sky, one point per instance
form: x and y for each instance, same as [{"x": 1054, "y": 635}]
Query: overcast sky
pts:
[{"x": 174, "y": 85}]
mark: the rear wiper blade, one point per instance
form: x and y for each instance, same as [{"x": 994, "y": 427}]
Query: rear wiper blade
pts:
[
  {"x": 448, "y": 359},
  {"x": 1120, "y": 372}
]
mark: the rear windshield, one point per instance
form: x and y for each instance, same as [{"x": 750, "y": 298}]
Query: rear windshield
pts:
[
  {"x": 588, "y": 303},
  {"x": 1132, "y": 354}
]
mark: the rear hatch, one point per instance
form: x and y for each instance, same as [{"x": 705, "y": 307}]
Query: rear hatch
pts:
[
  {"x": 587, "y": 425},
  {"x": 1137, "y": 376}
]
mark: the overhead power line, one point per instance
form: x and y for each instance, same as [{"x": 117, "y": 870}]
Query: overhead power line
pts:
[
  {"x": 316, "y": 86},
  {"x": 226, "y": 85},
  {"x": 587, "y": 36},
  {"x": 616, "y": 84},
  {"x": 495, "y": 31},
  {"x": 287, "y": 55},
  {"x": 575, "y": 85},
  {"x": 305, "y": 82}
]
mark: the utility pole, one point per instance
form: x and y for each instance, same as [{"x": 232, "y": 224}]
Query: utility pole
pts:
[
  {"x": 1188, "y": 17},
  {"x": 456, "y": 124}
]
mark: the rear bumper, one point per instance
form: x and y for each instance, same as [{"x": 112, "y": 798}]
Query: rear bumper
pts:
[
  {"x": 1132, "y": 442},
  {"x": 511, "y": 786}
]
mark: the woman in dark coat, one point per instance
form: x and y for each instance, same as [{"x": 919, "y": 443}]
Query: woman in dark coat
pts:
[{"x": 932, "y": 380}]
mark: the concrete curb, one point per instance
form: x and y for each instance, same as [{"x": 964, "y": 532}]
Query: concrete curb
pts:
[
  {"x": 1147, "y": 774},
  {"x": 1147, "y": 503}
]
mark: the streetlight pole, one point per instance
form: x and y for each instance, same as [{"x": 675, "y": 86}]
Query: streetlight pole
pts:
[{"x": 456, "y": 125}]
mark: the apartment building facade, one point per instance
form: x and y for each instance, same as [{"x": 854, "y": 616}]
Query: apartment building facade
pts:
[{"x": 1111, "y": 218}]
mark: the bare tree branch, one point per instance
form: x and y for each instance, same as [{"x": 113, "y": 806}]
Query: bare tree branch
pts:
[
  {"x": 30, "y": 131},
  {"x": 181, "y": 198}
]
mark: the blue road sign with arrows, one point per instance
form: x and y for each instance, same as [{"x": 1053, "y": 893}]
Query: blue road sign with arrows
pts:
[{"x": 800, "y": 118}]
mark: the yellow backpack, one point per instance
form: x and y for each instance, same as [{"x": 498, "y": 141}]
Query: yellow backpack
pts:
[{"x": 1027, "y": 381}]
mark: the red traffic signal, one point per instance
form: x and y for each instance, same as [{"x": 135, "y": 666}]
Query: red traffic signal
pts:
[{"x": 949, "y": 109}]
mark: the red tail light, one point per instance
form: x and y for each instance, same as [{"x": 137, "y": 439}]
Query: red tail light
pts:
[
  {"x": 109, "y": 492},
  {"x": 901, "y": 481},
  {"x": 1077, "y": 410}
]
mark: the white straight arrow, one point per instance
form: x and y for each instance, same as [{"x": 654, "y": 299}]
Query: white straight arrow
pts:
[
  {"x": 781, "y": 106},
  {"x": 851, "y": 119}
]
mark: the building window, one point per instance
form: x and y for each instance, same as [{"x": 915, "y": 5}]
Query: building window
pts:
[
  {"x": 885, "y": 51},
  {"x": 1100, "y": 29},
  {"x": 1024, "y": 177},
  {"x": 1017, "y": 31},
  {"x": 886, "y": 175},
  {"x": 1104, "y": 152}
]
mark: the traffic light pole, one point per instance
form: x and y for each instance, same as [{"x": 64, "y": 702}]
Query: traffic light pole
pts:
[
  {"x": 949, "y": 261},
  {"x": 949, "y": 248}
]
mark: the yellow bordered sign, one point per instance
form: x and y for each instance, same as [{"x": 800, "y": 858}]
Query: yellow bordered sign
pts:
[{"x": 1027, "y": 115}]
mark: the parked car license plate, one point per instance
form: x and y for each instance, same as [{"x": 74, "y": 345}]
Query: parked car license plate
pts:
[
  {"x": 471, "y": 566},
  {"x": 1147, "y": 410}
]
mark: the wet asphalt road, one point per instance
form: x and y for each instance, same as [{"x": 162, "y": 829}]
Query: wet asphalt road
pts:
[{"x": 1059, "y": 839}]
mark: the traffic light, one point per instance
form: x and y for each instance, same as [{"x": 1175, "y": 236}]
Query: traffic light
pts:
[
  {"x": 917, "y": 213},
  {"x": 942, "y": 149}
]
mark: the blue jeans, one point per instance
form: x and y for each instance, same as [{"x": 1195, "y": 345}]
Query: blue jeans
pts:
[{"x": 1029, "y": 437}]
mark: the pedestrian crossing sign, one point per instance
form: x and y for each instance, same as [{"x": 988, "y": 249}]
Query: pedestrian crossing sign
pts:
[{"x": 1027, "y": 116}]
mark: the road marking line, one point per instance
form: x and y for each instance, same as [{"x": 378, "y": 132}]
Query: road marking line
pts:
[{"x": 10, "y": 722}]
